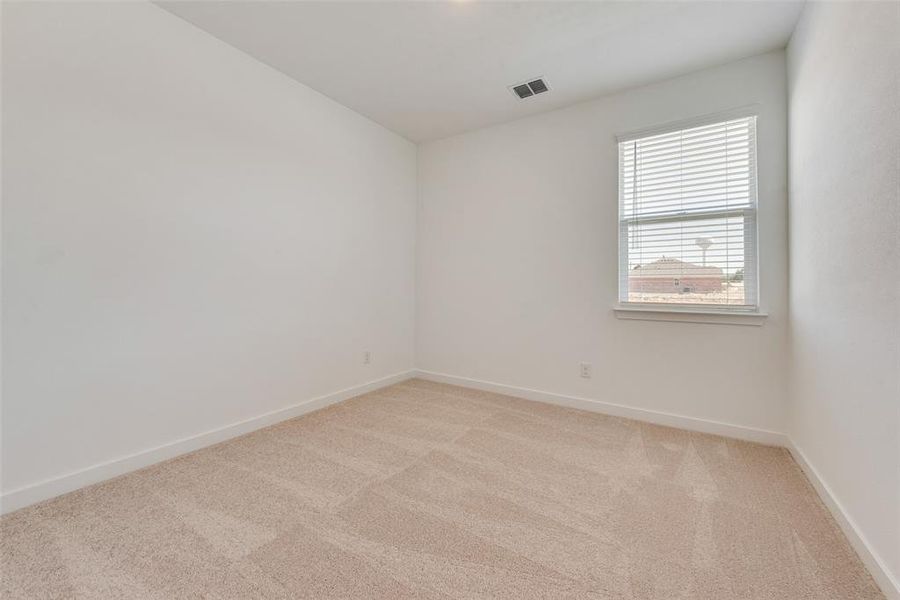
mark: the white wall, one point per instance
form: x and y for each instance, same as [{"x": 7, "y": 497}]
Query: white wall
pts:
[
  {"x": 190, "y": 238},
  {"x": 844, "y": 61},
  {"x": 517, "y": 258}
]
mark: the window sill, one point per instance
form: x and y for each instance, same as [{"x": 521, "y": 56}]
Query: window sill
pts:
[{"x": 689, "y": 315}]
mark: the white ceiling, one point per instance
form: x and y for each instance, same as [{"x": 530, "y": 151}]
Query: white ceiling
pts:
[{"x": 432, "y": 69}]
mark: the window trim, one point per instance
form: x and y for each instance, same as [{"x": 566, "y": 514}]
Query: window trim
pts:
[
  {"x": 689, "y": 313},
  {"x": 750, "y": 110},
  {"x": 745, "y": 314}
]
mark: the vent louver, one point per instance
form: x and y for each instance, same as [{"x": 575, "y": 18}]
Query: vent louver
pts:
[
  {"x": 523, "y": 91},
  {"x": 531, "y": 88}
]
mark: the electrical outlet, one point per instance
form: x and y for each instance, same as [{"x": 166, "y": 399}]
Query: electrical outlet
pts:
[
  {"x": 586, "y": 370},
  {"x": 367, "y": 357}
]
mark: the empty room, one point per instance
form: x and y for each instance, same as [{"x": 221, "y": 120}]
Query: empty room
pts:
[{"x": 452, "y": 299}]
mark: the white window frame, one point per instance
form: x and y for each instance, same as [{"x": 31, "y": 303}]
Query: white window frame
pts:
[{"x": 747, "y": 314}]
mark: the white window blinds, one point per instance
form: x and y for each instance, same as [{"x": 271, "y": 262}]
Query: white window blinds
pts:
[{"x": 687, "y": 216}]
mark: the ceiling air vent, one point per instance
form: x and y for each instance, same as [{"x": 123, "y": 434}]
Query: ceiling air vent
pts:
[{"x": 531, "y": 88}]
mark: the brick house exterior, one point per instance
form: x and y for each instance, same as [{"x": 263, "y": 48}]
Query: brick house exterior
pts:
[{"x": 670, "y": 275}]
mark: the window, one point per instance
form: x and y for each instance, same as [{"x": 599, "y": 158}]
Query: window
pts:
[{"x": 687, "y": 216}]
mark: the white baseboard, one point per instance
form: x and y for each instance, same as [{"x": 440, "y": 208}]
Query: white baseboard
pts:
[
  {"x": 740, "y": 432},
  {"x": 873, "y": 562},
  {"x": 50, "y": 488}
]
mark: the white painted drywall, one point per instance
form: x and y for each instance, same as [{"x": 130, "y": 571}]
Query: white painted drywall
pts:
[
  {"x": 190, "y": 238},
  {"x": 517, "y": 258},
  {"x": 844, "y": 89}
]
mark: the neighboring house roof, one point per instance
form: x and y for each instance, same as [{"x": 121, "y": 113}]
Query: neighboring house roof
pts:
[{"x": 672, "y": 267}]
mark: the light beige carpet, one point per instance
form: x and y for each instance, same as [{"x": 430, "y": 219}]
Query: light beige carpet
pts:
[{"x": 423, "y": 490}]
